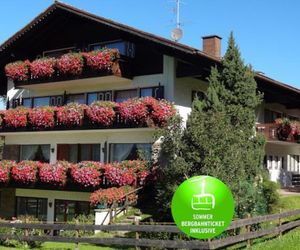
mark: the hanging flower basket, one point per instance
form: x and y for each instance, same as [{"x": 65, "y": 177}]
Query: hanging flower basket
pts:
[{"x": 284, "y": 128}]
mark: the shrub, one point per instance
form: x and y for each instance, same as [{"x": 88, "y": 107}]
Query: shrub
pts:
[
  {"x": 16, "y": 118},
  {"x": 101, "y": 113},
  {"x": 270, "y": 193},
  {"x": 25, "y": 172},
  {"x": 43, "y": 68},
  {"x": 18, "y": 71},
  {"x": 71, "y": 114},
  {"x": 87, "y": 174},
  {"x": 71, "y": 63},
  {"x": 42, "y": 117}
]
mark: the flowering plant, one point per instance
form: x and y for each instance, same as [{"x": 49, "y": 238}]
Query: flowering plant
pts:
[
  {"x": 71, "y": 63},
  {"x": 55, "y": 174},
  {"x": 43, "y": 68},
  {"x": 16, "y": 118},
  {"x": 101, "y": 59},
  {"x": 5, "y": 168},
  {"x": 284, "y": 128},
  {"x": 133, "y": 111},
  {"x": 139, "y": 168},
  {"x": 71, "y": 114},
  {"x": 160, "y": 110},
  {"x": 101, "y": 113},
  {"x": 111, "y": 195},
  {"x": 117, "y": 176},
  {"x": 42, "y": 117},
  {"x": 25, "y": 172},
  {"x": 18, "y": 71},
  {"x": 87, "y": 174}
]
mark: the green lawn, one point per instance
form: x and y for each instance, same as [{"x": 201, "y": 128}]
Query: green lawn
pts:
[{"x": 65, "y": 246}]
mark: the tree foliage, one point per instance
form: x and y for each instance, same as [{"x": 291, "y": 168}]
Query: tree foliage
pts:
[{"x": 219, "y": 138}]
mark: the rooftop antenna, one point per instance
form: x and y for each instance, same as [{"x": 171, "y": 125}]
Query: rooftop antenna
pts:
[{"x": 177, "y": 33}]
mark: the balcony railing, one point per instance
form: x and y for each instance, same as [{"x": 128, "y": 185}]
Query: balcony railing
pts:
[
  {"x": 133, "y": 113},
  {"x": 271, "y": 133},
  {"x": 70, "y": 66}
]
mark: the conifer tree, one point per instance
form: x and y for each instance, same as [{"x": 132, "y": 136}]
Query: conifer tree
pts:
[{"x": 220, "y": 138}]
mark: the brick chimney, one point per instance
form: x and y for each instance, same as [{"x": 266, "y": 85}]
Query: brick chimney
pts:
[{"x": 212, "y": 45}]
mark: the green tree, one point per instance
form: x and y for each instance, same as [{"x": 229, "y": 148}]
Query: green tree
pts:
[{"x": 220, "y": 139}]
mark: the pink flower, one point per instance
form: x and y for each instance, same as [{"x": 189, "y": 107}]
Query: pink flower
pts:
[
  {"x": 5, "y": 168},
  {"x": 18, "y": 71},
  {"x": 101, "y": 113},
  {"x": 43, "y": 68},
  {"x": 25, "y": 172},
  {"x": 87, "y": 173},
  {"x": 42, "y": 117},
  {"x": 16, "y": 118},
  {"x": 101, "y": 59},
  {"x": 71, "y": 114},
  {"x": 71, "y": 63}
]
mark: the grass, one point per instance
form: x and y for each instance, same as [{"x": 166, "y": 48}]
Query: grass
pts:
[{"x": 66, "y": 246}]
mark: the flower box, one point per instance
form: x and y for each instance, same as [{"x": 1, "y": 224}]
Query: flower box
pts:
[
  {"x": 5, "y": 169},
  {"x": 16, "y": 118},
  {"x": 101, "y": 113},
  {"x": 70, "y": 115},
  {"x": 42, "y": 118},
  {"x": 25, "y": 172},
  {"x": 54, "y": 174},
  {"x": 18, "y": 71},
  {"x": 70, "y": 64},
  {"x": 43, "y": 68},
  {"x": 87, "y": 174}
]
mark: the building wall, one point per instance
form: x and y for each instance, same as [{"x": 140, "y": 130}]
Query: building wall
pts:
[
  {"x": 141, "y": 135},
  {"x": 51, "y": 196}
]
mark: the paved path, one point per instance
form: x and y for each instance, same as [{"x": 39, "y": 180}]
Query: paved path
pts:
[{"x": 288, "y": 192}]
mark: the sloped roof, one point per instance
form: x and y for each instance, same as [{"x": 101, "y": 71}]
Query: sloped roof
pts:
[{"x": 196, "y": 53}]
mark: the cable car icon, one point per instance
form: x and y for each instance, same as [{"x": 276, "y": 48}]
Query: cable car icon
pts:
[{"x": 203, "y": 201}]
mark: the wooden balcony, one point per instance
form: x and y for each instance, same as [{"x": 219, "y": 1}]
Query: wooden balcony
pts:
[
  {"x": 269, "y": 130},
  {"x": 120, "y": 72}
]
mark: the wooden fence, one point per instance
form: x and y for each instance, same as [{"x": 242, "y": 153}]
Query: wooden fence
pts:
[{"x": 246, "y": 235}]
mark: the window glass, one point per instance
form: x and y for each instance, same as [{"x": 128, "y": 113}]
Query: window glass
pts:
[
  {"x": 146, "y": 92},
  {"x": 123, "y": 95},
  {"x": 120, "y": 45},
  {"x": 36, "y": 207},
  {"x": 27, "y": 102},
  {"x": 76, "y": 98},
  {"x": 41, "y": 101},
  {"x": 92, "y": 97},
  {"x": 67, "y": 210},
  {"x": 130, "y": 151},
  {"x": 84, "y": 152},
  {"x": 35, "y": 153}
]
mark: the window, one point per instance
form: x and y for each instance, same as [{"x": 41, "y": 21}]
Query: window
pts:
[
  {"x": 36, "y": 207},
  {"x": 270, "y": 116},
  {"x": 78, "y": 98},
  {"x": 99, "y": 96},
  {"x": 293, "y": 118},
  {"x": 58, "y": 52},
  {"x": 35, "y": 153},
  {"x": 129, "y": 151},
  {"x": 78, "y": 152},
  {"x": 123, "y": 95},
  {"x": 68, "y": 210},
  {"x": 41, "y": 101},
  {"x": 27, "y": 102},
  {"x": 156, "y": 92},
  {"x": 293, "y": 163},
  {"x": 125, "y": 48}
]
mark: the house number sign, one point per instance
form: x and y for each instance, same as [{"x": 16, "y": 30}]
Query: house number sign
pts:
[{"x": 202, "y": 207}]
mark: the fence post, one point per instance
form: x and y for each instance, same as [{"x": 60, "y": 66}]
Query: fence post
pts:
[
  {"x": 26, "y": 231},
  {"x": 137, "y": 236},
  {"x": 280, "y": 222},
  {"x": 248, "y": 230},
  {"x": 77, "y": 236}
]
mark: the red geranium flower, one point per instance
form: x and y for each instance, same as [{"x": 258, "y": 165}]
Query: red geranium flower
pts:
[
  {"x": 5, "y": 168},
  {"x": 25, "y": 172},
  {"x": 42, "y": 117},
  {"x": 16, "y": 118},
  {"x": 43, "y": 68},
  {"x": 71, "y": 63},
  {"x": 101, "y": 113},
  {"x": 18, "y": 71}
]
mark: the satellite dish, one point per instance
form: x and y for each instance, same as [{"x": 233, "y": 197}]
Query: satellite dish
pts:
[{"x": 176, "y": 34}]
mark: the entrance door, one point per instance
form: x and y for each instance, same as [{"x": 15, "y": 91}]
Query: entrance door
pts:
[{"x": 67, "y": 210}]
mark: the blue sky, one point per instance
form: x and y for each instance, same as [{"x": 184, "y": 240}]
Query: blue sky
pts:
[{"x": 267, "y": 32}]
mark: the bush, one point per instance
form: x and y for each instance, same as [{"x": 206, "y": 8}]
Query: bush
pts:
[
  {"x": 271, "y": 195},
  {"x": 80, "y": 219}
]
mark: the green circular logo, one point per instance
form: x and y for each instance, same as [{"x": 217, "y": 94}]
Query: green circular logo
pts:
[{"x": 202, "y": 207}]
